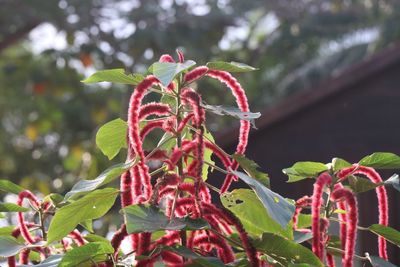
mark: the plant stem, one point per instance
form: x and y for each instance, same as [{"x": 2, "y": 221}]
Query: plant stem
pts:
[
  {"x": 212, "y": 187},
  {"x": 342, "y": 252},
  {"x": 358, "y": 227},
  {"x": 42, "y": 228},
  {"x": 180, "y": 161}
]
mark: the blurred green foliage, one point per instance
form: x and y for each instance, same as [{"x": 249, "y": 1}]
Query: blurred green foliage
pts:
[{"x": 48, "y": 118}]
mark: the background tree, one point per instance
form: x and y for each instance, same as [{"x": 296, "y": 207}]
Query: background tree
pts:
[{"x": 294, "y": 43}]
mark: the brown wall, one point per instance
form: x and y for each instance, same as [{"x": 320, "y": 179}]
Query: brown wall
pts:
[{"x": 349, "y": 124}]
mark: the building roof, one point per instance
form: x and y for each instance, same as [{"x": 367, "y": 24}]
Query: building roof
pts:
[{"x": 310, "y": 97}]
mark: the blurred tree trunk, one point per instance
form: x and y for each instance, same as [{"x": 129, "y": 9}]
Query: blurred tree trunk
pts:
[{"x": 17, "y": 35}]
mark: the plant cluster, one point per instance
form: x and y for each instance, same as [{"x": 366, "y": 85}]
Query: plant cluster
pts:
[{"x": 169, "y": 218}]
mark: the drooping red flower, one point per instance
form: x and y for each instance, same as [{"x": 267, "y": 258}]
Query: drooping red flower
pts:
[
  {"x": 300, "y": 204},
  {"x": 381, "y": 194},
  {"x": 76, "y": 236},
  {"x": 118, "y": 237},
  {"x": 166, "y": 58},
  {"x": 351, "y": 222},
  {"x": 317, "y": 245},
  {"x": 20, "y": 215},
  {"x": 342, "y": 217},
  {"x": 153, "y": 108},
  {"x": 241, "y": 100},
  {"x": 195, "y": 74}
]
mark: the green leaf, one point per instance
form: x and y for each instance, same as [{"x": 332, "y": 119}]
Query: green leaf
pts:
[
  {"x": 84, "y": 186},
  {"x": 51, "y": 261},
  {"x": 145, "y": 218},
  {"x": 304, "y": 169},
  {"x": 88, "y": 225},
  {"x": 207, "y": 155},
  {"x": 381, "y": 160},
  {"x": 250, "y": 167},
  {"x": 285, "y": 251},
  {"x": 9, "y": 246},
  {"x": 164, "y": 144},
  {"x": 339, "y": 164},
  {"x": 234, "y": 112},
  {"x": 11, "y": 207},
  {"x": 165, "y": 72},
  {"x": 394, "y": 181},
  {"x": 111, "y": 137},
  {"x": 277, "y": 207},
  {"x": 114, "y": 76},
  {"x": 85, "y": 253},
  {"x": 245, "y": 204},
  {"x": 54, "y": 198},
  {"x": 92, "y": 206},
  {"x": 200, "y": 260},
  {"x": 379, "y": 262},
  {"x": 300, "y": 237},
  {"x": 389, "y": 233},
  {"x": 360, "y": 184},
  {"x": 10, "y": 187},
  {"x": 304, "y": 221},
  {"x": 95, "y": 238},
  {"x": 6, "y": 230},
  {"x": 169, "y": 100},
  {"x": 230, "y": 66}
]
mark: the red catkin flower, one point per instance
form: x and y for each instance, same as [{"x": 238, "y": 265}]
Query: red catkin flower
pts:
[
  {"x": 381, "y": 194},
  {"x": 300, "y": 204},
  {"x": 330, "y": 260},
  {"x": 24, "y": 256},
  {"x": 248, "y": 247},
  {"x": 133, "y": 132},
  {"x": 169, "y": 125},
  {"x": 219, "y": 224},
  {"x": 317, "y": 244},
  {"x": 151, "y": 126},
  {"x": 136, "y": 186},
  {"x": 133, "y": 114},
  {"x": 183, "y": 122},
  {"x": 11, "y": 262},
  {"x": 20, "y": 216},
  {"x": 77, "y": 237},
  {"x": 171, "y": 258},
  {"x": 224, "y": 250},
  {"x": 195, "y": 74},
  {"x": 180, "y": 56},
  {"x": 174, "y": 158},
  {"x": 342, "y": 217},
  {"x": 351, "y": 222},
  {"x": 193, "y": 98},
  {"x": 126, "y": 189},
  {"x": 242, "y": 103},
  {"x": 153, "y": 108},
  {"x": 166, "y": 58},
  {"x": 118, "y": 237},
  {"x": 144, "y": 243},
  {"x": 169, "y": 239},
  {"x": 220, "y": 154},
  {"x": 16, "y": 233}
]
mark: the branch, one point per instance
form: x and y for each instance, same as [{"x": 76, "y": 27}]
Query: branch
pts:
[{"x": 19, "y": 34}]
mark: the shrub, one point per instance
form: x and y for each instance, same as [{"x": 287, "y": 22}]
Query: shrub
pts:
[{"x": 166, "y": 200}]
